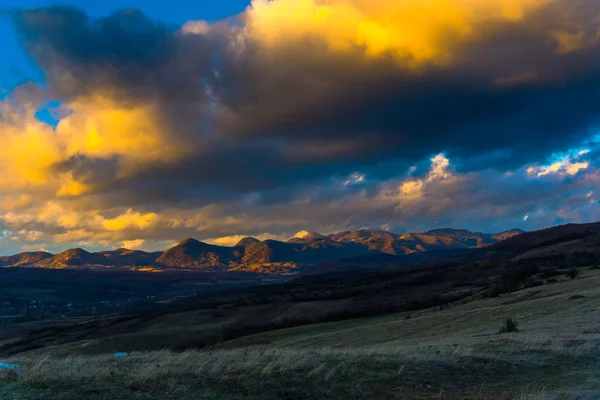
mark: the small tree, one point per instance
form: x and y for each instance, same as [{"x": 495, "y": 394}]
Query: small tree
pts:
[{"x": 509, "y": 326}]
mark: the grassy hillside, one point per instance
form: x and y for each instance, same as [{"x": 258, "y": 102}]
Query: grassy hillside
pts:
[
  {"x": 430, "y": 332},
  {"x": 456, "y": 353}
]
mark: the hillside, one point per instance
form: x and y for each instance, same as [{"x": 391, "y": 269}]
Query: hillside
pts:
[
  {"x": 192, "y": 253},
  {"x": 214, "y": 317},
  {"x": 544, "y": 237},
  {"x": 272, "y": 256},
  {"x": 566, "y": 249},
  {"x": 24, "y": 259},
  {"x": 71, "y": 258},
  {"x": 453, "y": 351},
  {"x": 410, "y": 332}
]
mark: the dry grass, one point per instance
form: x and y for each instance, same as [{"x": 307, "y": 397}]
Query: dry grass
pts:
[
  {"x": 453, "y": 354},
  {"x": 378, "y": 372}
]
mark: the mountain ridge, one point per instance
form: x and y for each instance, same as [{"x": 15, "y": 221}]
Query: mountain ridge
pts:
[{"x": 272, "y": 256}]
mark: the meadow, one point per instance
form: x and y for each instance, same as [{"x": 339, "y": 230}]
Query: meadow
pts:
[{"x": 455, "y": 353}]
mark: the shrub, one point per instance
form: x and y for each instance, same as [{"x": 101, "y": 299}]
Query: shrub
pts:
[
  {"x": 550, "y": 272},
  {"x": 516, "y": 277},
  {"x": 509, "y": 326},
  {"x": 573, "y": 273}
]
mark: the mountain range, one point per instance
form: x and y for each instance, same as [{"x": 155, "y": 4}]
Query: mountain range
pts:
[{"x": 253, "y": 255}]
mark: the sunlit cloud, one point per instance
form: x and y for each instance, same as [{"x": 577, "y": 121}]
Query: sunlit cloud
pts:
[
  {"x": 417, "y": 31},
  {"x": 354, "y": 179},
  {"x": 301, "y": 234},
  {"x": 135, "y": 244},
  {"x": 196, "y": 134},
  {"x": 231, "y": 241},
  {"x": 131, "y": 219},
  {"x": 565, "y": 167}
]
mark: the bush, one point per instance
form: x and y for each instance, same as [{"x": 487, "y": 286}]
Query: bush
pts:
[
  {"x": 550, "y": 272},
  {"x": 518, "y": 276},
  {"x": 573, "y": 273},
  {"x": 509, "y": 326}
]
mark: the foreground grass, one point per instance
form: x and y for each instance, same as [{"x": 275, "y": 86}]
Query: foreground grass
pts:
[
  {"x": 268, "y": 373},
  {"x": 454, "y": 354}
]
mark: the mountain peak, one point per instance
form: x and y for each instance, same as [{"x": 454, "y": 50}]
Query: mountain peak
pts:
[
  {"x": 246, "y": 241},
  {"x": 313, "y": 236},
  {"x": 448, "y": 231},
  {"x": 509, "y": 234},
  {"x": 188, "y": 242},
  {"x": 77, "y": 252},
  {"x": 516, "y": 230},
  {"x": 308, "y": 238}
]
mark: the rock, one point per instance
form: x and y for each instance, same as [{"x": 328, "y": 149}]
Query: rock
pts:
[{"x": 121, "y": 355}]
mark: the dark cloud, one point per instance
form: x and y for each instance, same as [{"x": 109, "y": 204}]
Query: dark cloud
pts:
[
  {"x": 381, "y": 109},
  {"x": 92, "y": 171},
  {"x": 272, "y": 133},
  {"x": 308, "y": 112},
  {"x": 124, "y": 52}
]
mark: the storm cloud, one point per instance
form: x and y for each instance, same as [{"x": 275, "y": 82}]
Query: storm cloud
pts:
[{"x": 304, "y": 115}]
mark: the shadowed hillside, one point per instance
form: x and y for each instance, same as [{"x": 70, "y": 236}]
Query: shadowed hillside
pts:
[
  {"x": 214, "y": 317},
  {"x": 455, "y": 350},
  {"x": 522, "y": 242}
]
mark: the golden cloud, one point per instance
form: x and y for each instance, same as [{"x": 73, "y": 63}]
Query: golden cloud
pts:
[
  {"x": 234, "y": 239},
  {"x": 415, "y": 30},
  {"x": 97, "y": 127},
  {"x": 131, "y": 219},
  {"x": 30, "y": 149},
  {"x": 135, "y": 244},
  {"x": 301, "y": 234},
  {"x": 100, "y": 126},
  {"x": 565, "y": 167}
]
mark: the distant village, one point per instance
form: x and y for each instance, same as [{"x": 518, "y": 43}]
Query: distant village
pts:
[{"x": 16, "y": 310}]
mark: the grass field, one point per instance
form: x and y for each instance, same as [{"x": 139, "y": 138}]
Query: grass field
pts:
[{"x": 456, "y": 353}]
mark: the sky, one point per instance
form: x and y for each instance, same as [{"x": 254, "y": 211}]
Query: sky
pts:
[{"x": 140, "y": 124}]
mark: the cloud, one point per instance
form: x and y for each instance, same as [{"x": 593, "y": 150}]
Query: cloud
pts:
[
  {"x": 130, "y": 219},
  {"x": 354, "y": 179},
  {"x": 302, "y": 115},
  {"x": 135, "y": 244},
  {"x": 566, "y": 164},
  {"x": 301, "y": 234},
  {"x": 566, "y": 167},
  {"x": 234, "y": 239},
  {"x": 409, "y": 30}
]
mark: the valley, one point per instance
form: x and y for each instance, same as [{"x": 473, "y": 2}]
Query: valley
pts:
[
  {"x": 412, "y": 331},
  {"x": 454, "y": 353}
]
